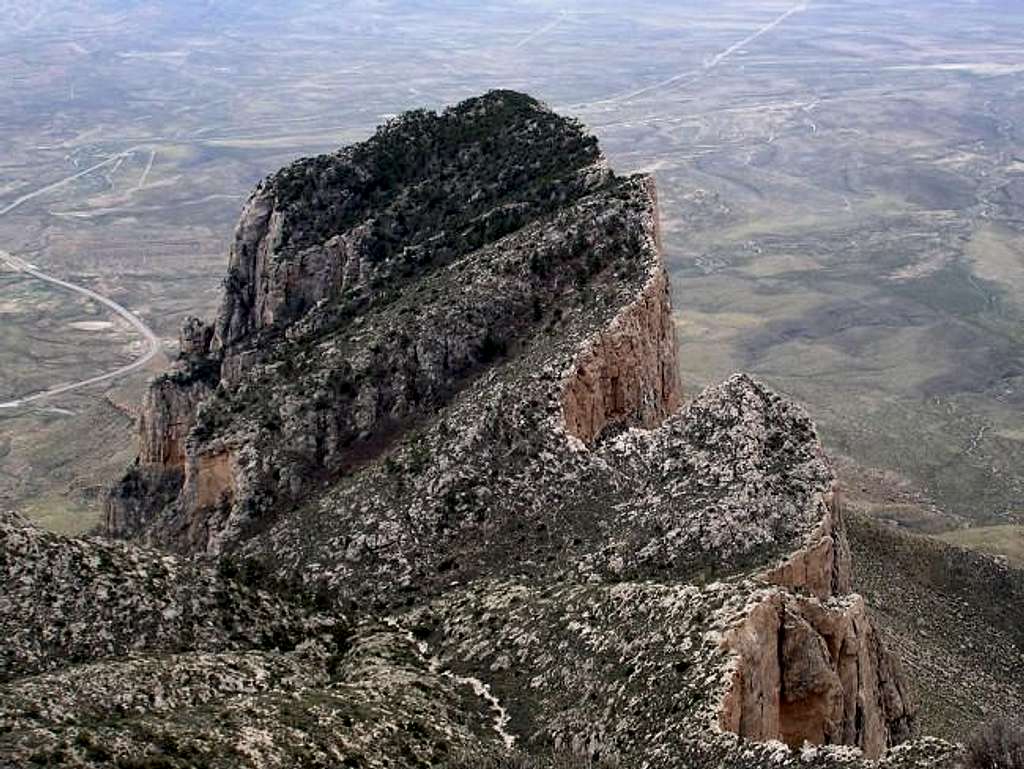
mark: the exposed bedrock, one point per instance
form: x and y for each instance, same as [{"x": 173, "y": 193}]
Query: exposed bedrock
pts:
[
  {"x": 168, "y": 414},
  {"x": 446, "y": 358},
  {"x": 627, "y": 375},
  {"x": 812, "y": 671},
  {"x": 264, "y": 290},
  {"x": 823, "y": 566},
  {"x": 367, "y": 288},
  {"x": 810, "y": 666}
]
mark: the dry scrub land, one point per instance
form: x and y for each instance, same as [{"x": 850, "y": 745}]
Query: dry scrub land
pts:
[{"x": 841, "y": 185}]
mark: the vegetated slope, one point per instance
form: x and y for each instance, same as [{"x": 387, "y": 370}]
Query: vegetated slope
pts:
[
  {"x": 955, "y": 618},
  {"x": 368, "y": 288},
  {"x": 67, "y": 601},
  {"x": 456, "y": 414},
  {"x": 114, "y": 655}
]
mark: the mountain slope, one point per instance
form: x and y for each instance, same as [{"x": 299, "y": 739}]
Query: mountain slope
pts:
[
  {"x": 441, "y": 397},
  {"x": 956, "y": 619}
]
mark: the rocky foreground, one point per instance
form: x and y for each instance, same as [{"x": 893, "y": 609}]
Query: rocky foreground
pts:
[{"x": 425, "y": 495}]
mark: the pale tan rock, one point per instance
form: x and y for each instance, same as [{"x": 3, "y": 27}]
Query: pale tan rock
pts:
[
  {"x": 823, "y": 566},
  {"x": 210, "y": 480},
  {"x": 167, "y": 415},
  {"x": 815, "y": 672},
  {"x": 811, "y": 701},
  {"x": 628, "y": 373},
  {"x": 750, "y": 707}
]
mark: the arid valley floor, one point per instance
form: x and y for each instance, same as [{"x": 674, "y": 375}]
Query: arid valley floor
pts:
[{"x": 841, "y": 183}]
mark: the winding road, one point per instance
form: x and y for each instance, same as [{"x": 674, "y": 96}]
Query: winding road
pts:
[{"x": 153, "y": 344}]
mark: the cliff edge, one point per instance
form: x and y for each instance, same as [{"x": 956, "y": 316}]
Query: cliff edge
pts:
[{"x": 441, "y": 396}]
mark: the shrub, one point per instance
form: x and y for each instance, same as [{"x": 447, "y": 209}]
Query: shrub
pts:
[
  {"x": 520, "y": 760},
  {"x": 997, "y": 745}
]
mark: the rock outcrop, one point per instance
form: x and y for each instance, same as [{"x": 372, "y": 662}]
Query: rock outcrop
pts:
[
  {"x": 823, "y": 567},
  {"x": 68, "y": 601},
  {"x": 628, "y": 374},
  {"x": 442, "y": 393},
  {"x": 322, "y": 351},
  {"x": 119, "y": 656},
  {"x": 814, "y": 672},
  {"x": 167, "y": 417}
]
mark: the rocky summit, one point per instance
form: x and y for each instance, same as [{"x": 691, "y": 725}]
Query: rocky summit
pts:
[{"x": 427, "y": 493}]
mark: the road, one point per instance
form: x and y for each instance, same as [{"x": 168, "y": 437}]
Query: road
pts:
[
  {"x": 20, "y": 265},
  {"x": 543, "y": 30},
  {"x": 152, "y": 341},
  {"x": 684, "y": 78},
  {"x": 67, "y": 180}
]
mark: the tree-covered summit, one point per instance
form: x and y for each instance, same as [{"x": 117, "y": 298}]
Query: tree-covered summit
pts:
[{"x": 425, "y": 174}]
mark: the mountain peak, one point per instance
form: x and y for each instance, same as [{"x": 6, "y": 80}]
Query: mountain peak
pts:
[{"x": 442, "y": 398}]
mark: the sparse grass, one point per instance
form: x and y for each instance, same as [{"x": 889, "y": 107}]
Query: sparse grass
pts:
[
  {"x": 1007, "y": 541},
  {"x": 61, "y": 513},
  {"x": 956, "y": 618}
]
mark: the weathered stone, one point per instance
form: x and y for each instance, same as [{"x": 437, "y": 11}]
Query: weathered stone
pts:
[
  {"x": 627, "y": 375},
  {"x": 443, "y": 382},
  {"x": 195, "y": 338},
  {"x": 830, "y": 681},
  {"x": 823, "y": 567}
]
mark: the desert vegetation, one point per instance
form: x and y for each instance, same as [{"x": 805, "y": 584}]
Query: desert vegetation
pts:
[{"x": 997, "y": 745}]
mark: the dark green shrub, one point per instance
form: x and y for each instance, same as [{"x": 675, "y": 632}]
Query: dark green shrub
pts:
[
  {"x": 516, "y": 759},
  {"x": 998, "y": 744}
]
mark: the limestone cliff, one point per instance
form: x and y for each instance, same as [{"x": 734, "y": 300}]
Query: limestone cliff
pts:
[
  {"x": 627, "y": 374},
  {"x": 321, "y": 348},
  {"x": 822, "y": 566},
  {"x": 810, "y": 666},
  {"x": 815, "y": 672},
  {"x": 442, "y": 391},
  {"x": 167, "y": 416}
]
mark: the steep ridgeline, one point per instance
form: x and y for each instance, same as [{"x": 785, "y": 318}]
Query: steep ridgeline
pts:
[
  {"x": 442, "y": 390},
  {"x": 365, "y": 290}
]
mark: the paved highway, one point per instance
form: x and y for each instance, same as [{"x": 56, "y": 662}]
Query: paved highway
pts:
[{"x": 152, "y": 341}]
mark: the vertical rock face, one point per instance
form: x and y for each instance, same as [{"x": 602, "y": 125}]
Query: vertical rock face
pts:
[
  {"x": 823, "y": 566},
  {"x": 628, "y": 373},
  {"x": 811, "y": 671},
  {"x": 264, "y": 290},
  {"x": 244, "y": 305},
  {"x": 429, "y": 353},
  {"x": 195, "y": 338},
  {"x": 168, "y": 414},
  {"x": 810, "y": 664},
  {"x": 751, "y": 705},
  {"x": 332, "y": 337}
]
